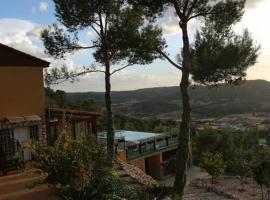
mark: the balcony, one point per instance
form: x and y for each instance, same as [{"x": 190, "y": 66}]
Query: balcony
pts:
[{"x": 145, "y": 147}]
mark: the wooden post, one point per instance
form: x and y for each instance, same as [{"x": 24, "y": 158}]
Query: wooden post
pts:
[{"x": 94, "y": 125}]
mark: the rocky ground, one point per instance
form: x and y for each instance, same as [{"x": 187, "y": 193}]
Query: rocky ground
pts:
[
  {"x": 199, "y": 187},
  {"x": 231, "y": 188},
  {"x": 195, "y": 193}
]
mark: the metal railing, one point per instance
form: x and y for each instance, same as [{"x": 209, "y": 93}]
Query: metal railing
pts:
[{"x": 160, "y": 143}]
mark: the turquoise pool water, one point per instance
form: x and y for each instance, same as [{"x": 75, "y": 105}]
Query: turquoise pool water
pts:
[{"x": 134, "y": 135}]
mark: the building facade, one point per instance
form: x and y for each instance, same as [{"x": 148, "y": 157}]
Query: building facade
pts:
[{"x": 22, "y": 100}]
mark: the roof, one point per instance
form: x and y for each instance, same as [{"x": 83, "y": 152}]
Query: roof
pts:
[
  {"x": 72, "y": 112},
  {"x": 133, "y": 174},
  {"x": 11, "y": 57},
  {"x": 23, "y": 119}
]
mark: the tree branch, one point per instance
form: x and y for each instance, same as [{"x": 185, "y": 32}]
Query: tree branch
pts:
[
  {"x": 106, "y": 23},
  {"x": 185, "y": 7},
  {"x": 117, "y": 70},
  {"x": 71, "y": 77},
  {"x": 177, "y": 9},
  {"x": 88, "y": 71},
  {"x": 192, "y": 7},
  {"x": 92, "y": 26},
  {"x": 89, "y": 47},
  {"x": 170, "y": 60},
  {"x": 200, "y": 14}
]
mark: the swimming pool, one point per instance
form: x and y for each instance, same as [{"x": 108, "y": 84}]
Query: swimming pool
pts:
[{"x": 134, "y": 136}]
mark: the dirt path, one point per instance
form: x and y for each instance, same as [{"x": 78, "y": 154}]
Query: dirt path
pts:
[
  {"x": 194, "y": 193},
  {"x": 25, "y": 186}
]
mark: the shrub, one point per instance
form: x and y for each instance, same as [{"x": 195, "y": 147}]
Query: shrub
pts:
[
  {"x": 213, "y": 163},
  {"x": 78, "y": 170},
  {"x": 242, "y": 168}
]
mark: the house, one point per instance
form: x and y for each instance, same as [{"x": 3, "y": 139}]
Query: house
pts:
[
  {"x": 22, "y": 99},
  {"x": 23, "y": 115}
]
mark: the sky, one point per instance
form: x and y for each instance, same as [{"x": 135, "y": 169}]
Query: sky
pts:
[{"x": 22, "y": 20}]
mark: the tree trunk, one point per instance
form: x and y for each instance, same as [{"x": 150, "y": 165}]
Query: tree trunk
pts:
[
  {"x": 242, "y": 183},
  {"x": 110, "y": 124},
  {"x": 262, "y": 191},
  {"x": 183, "y": 138}
]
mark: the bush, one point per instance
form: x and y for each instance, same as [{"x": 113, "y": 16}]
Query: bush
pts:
[
  {"x": 213, "y": 163},
  {"x": 240, "y": 166},
  {"x": 78, "y": 170}
]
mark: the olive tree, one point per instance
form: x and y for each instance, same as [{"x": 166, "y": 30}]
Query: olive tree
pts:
[{"x": 213, "y": 163}]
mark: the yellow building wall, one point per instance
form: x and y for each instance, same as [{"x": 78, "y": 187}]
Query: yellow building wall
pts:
[{"x": 21, "y": 91}]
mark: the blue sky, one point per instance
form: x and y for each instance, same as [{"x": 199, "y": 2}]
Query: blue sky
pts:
[{"x": 22, "y": 20}]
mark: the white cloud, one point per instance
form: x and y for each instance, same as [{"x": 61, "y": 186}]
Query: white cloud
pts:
[
  {"x": 17, "y": 36},
  {"x": 43, "y": 7},
  {"x": 169, "y": 22},
  {"x": 250, "y": 4},
  {"x": 35, "y": 33}
]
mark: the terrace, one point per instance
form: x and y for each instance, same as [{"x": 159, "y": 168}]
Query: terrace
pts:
[{"x": 142, "y": 144}]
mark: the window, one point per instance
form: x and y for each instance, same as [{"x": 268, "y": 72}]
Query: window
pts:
[
  {"x": 6, "y": 144},
  {"x": 34, "y": 132},
  {"x": 6, "y": 134}
]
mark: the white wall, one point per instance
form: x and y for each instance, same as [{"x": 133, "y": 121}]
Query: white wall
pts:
[{"x": 23, "y": 135}]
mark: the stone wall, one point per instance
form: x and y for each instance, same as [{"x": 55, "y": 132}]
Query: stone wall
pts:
[{"x": 4, "y": 124}]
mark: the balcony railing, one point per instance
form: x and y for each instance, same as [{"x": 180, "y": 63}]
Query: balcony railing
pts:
[
  {"x": 141, "y": 148},
  {"x": 153, "y": 145}
]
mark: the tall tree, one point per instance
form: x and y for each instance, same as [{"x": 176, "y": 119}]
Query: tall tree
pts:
[
  {"x": 121, "y": 39},
  {"x": 209, "y": 61}
]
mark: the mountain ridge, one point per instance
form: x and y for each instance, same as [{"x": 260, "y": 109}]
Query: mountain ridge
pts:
[{"x": 165, "y": 102}]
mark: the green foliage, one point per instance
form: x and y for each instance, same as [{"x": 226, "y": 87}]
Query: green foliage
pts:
[
  {"x": 59, "y": 99},
  {"x": 230, "y": 144},
  {"x": 240, "y": 150},
  {"x": 56, "y": 99},
  {"x": 213, "y": 163},
  {"x": 212, "y": 50},
  {"x": 221, "y": 101},
  {"x": 213, "y": 141},
  {"x": 122, "y": 37},
  {"x": 78, "y": 170},
  {"x": 137, "y": 124},
  {"x": 241, "y": 165}
]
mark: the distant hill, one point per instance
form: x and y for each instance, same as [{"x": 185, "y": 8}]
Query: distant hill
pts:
[{"x": 165, "y": 102}]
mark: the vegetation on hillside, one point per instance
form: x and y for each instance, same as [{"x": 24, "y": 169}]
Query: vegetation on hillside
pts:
[
  {"x": 59, "y": 99},
  {"x": 243, "y": 153},
  {"x": 249, "y": 97}
]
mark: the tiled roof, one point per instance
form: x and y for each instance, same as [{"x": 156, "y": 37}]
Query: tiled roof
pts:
[{"x": 11, "y": 57}]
